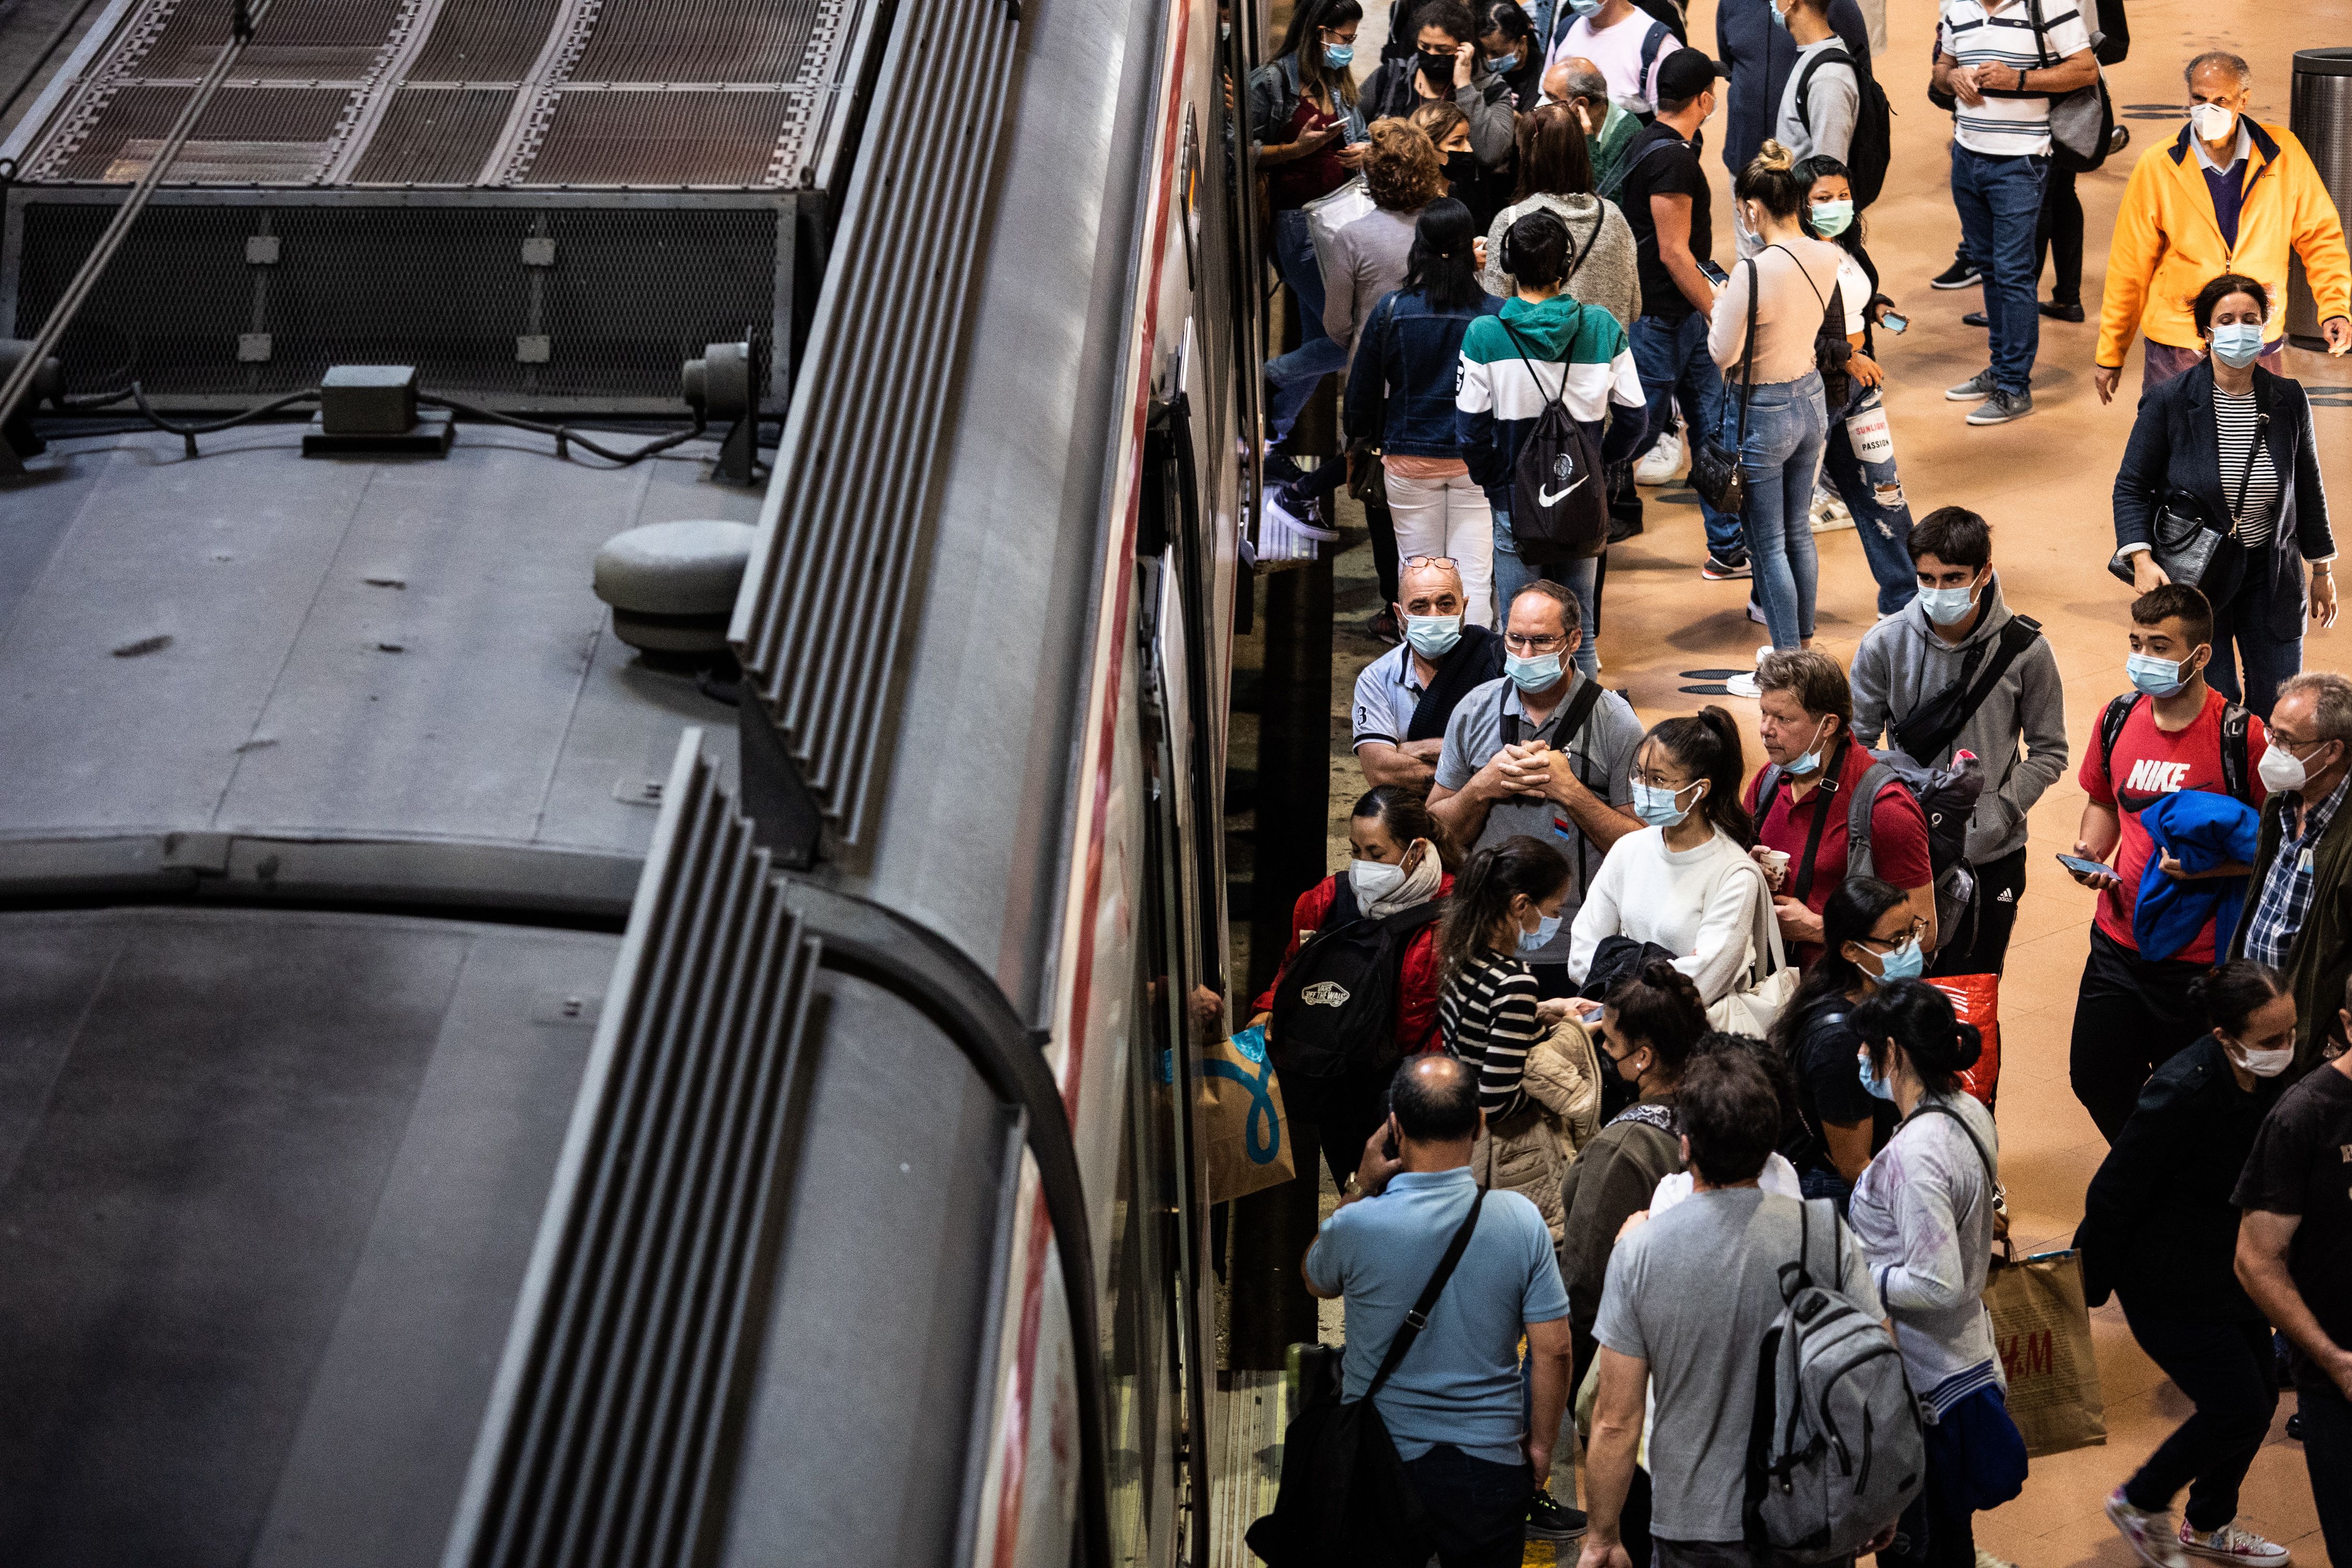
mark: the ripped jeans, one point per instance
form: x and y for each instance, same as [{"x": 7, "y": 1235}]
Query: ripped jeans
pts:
[{"x": 1873, "y": 493}]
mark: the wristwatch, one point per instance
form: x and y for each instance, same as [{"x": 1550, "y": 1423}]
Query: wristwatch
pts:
[{"x": 1353, "y": 1190}]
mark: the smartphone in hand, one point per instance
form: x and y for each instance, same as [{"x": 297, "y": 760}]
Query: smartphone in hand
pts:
[
  {"x": 1714, "y": 275},
  {"x": 2086, "y": 868}
]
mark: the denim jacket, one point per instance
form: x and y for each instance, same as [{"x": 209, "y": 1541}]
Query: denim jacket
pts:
[
  {"x": 1408, "y": 363},
  {"x": 1274, "y": 99}
]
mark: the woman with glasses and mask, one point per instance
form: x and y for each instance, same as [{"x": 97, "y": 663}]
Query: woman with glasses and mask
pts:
[
  {"x": 2232, "y": 445},
  {"x": 2160, "y": 1231},
  {"x": 1685, "y": 881},
  {"x": 1871, "y": 938},
  {"x": 1308, "y": 130}
]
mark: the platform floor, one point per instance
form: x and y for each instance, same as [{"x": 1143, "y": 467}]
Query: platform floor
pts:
[{"x": 2044, "y": 482}]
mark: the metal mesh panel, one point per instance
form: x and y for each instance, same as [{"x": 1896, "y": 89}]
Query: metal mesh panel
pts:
[
  {"x": 485, "y": 40},
  {"x": 720, "y": 138},
  {"x": 434, "y": 136},
  {"x": 698, "y": 40},
  {"x": 326, "y": 40},
  {"x": 246, "y": 134},
  {"x": 631, "y": 294}
]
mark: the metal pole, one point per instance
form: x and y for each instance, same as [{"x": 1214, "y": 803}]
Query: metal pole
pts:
[{"x": 61, "y": 315}]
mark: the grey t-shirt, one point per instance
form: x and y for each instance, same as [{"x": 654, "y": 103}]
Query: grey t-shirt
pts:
[
  {"x": 1832, "y": 103},
  {"x": 1602, "y": 753},
  {"x": 1692, "y": 1293}
]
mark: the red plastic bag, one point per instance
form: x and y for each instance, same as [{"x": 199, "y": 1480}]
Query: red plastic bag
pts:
[{"x": 1977, "y": 999}]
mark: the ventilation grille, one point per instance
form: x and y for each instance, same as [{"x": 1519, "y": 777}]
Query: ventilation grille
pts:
[
  {"x": 670, "y": 94},
  {"x": 617, "y": 1413},
  {"x": 818, "y": 626},
  {"x": 632, "y": 292}
]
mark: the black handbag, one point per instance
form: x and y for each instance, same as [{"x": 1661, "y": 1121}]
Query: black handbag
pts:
[
  {"x": 1346, "y": 1500},
  {"x": 2188, "y": 548},
  {"x": 1714, "y": 473}
]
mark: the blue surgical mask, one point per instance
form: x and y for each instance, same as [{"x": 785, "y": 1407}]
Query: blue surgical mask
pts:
[
  {"x": 1585, "y": 8},
  {"x": 1338, "y": 55},
  {"x": 1905, "y": 963},
  {"x": 1780, "y": 17},
  {"x": 2157, "y": 676},
  {"x": 1832, "y": 218},
  {"x": 2237, "y": 343},
  {"x": 1498, "y": 64},
  {"x": 1877, "y": 1086},
  {"x": 1945, "y": 606},
  {"x": 1433, "y": 637},
  {"x": 1662, "y": 807},
  {"x": 1540, "y": 672},
  {"x": 1811, "y": 760},
  {"x": 1546, "y": 928}
]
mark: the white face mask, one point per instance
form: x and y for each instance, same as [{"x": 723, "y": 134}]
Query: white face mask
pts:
[
  {"x": 2211, "y": 122},
  {"x": 2282, "y": 770},
  {"x": 2262, "y": 1064},
  {"x": 1373, "y": 879}
]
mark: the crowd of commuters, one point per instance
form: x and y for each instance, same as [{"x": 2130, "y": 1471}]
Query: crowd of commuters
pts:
[{"x": 1688, "y": 1029}]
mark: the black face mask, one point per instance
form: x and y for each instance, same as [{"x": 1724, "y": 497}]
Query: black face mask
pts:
[
  {"x": 1460, "y": 167},
  {"x": 1438, "y": 69}
]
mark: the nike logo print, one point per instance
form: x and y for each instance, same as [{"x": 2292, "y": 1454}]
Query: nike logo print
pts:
[{"x": 1553, "y": 498}]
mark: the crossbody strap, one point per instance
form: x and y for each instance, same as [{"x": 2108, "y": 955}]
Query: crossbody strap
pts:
[
  {"x": 1748, "y": 359},
  {"x": 1418, "y": 1319},
  {"x": 2253, "y": 450},
  {"x": 1827, "y": 790}
]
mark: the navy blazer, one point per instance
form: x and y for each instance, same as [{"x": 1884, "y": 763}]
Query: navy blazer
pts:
[{"x": 2175, "y": 446}]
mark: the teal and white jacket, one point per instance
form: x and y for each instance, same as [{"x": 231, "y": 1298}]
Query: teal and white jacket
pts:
[{"x": 1574, "y": 352}]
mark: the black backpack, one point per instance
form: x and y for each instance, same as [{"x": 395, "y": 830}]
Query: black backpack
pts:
[
  {"x": 2235, "y": 722},
  {"x": 1873, "y": 148},
  {"x": 1336, "y": 1007},
  {"x": 1560, "y": 501},
  {"x": 1948, "y": 799}
]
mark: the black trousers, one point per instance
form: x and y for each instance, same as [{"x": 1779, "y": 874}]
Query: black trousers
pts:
[
  {"x": 2000, "y": 885},
  {"x": 1477, "y": 1508},
  {"x": 2131, "y": 1017},
  {"x": 2061, "y": 230},
  {"x": 2226, "y": 1370},
  {"x": 2327, "y": 1454},
  {"x": 1340, "y": 1113}
]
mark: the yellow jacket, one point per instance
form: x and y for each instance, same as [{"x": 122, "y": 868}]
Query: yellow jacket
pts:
[{"x": 2169, "y": 244}]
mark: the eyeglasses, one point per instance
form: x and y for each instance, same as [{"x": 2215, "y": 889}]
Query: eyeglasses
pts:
[
  {"x": 1416, "y": 561},
  {"x": 1519, "y": 644},
  {"x": 1917, "y": 928}
]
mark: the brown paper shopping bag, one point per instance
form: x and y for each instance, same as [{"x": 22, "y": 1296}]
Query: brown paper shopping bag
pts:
[
  {"x": 2043, "y": 1332},
  {"x": 1246, "y": 1140}
]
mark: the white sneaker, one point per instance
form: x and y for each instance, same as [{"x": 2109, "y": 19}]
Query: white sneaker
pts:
[
  {"x": 2232, "y": 1544},
  {"x": 1743, "y": 686},
  {"x": 1829, "y": 512},
  {"x": 2148, "y": 1533},
  {"x": 1662, "y": 463},
  {"x": 1987, "y": 1560}
]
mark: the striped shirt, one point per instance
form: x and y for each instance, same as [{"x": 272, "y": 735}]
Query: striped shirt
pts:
[
  {"x": 2235, "y": 421},
  {"x": 2007, "y": 123},
  {"x": 1486, "y": 1017}
]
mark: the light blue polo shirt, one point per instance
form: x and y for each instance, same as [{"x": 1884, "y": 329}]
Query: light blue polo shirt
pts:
[{"x": 1460, "y": 1382}]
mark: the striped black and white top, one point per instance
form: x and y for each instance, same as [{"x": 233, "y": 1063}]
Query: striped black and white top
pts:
[
  {"x": 2235, "y": 421},
  {"x": 1486, "y": 1015},
  {"x": 2007, "y": 123}
]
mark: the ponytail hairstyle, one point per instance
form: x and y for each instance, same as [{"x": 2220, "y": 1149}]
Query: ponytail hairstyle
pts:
[
  {"x": 1404, "y": 813},
  {"x": 1483, "y": 894},
  {"x": 1708, "y": 745},
  {"x": 1304, "y": 39},
  {"x": 1441, "y": 268},
  {"x": 1858, "y": 904},
  {"x": 1554, "y": 157},
  {"x": 2228, "y": 993},
  {"x": 1919, "y": 1017},
  {"x": 1660, "y": 1008},
  {"x": 1771, "y": 181}
]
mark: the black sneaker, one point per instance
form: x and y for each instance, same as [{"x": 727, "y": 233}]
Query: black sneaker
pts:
[
  {"x": 2061, "y": 310},
  {"x": 1726, "y": 568},
  {"x": 1959, "y": 275},
  {"x": 1976, "y": 319},
  {"x": 1548, "y": 1521}
]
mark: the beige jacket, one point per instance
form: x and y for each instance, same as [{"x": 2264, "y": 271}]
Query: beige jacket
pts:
[{"x": 1530, "y": 1151}]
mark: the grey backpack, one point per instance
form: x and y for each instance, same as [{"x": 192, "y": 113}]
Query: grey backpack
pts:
[{"x": 1835, "y": 1451}]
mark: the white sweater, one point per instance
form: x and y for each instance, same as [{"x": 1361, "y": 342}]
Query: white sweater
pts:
[{"x": 1695, "y": 903}]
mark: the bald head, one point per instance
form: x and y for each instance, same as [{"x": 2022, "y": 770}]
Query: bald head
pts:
[
  {"x": 1429, "y": 589},
  {"x": 1575, "y": 77},
  {"x": 1436, "y": 1099}
]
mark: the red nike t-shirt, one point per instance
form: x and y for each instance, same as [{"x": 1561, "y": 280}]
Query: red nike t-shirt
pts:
[
  {"x": 1898, "y": 837},
  {"x": 2151, "y": 763}
]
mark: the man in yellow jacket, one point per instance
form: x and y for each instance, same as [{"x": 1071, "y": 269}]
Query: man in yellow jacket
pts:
[{"x": 2227, "y": 194}]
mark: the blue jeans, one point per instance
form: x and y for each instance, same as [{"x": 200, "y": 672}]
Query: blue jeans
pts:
[
  {"x": 2243, "y": 635},
  {"x": 1579, "y": 577},
  {"x": 1676, "y": 369},
  {"x": 1873, "y": 493},
  {"x": 1999, "y": 201},
  {"x": 1477, "y": 1508},
  {"x": 1787, "y": 429},
  {"x": 1295, "y": 375}
]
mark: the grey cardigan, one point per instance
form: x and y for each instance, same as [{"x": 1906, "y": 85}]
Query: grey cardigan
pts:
[
  {"x": 1367, "y": 259},
  {"x": 1902, "y": 662},
  {"x": 1606, "y": 273}
]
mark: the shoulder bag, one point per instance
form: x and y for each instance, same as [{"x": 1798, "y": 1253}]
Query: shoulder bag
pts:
[
  {"x": 1714, "y": 473},
  {"x": 1771, "y": 978},
  {"x": 1346, "y": 1500},
  {"x": 2190, "y": 550}
]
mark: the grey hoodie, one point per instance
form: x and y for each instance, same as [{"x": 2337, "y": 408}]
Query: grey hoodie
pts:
[{"x": 1901, "y": 663}]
